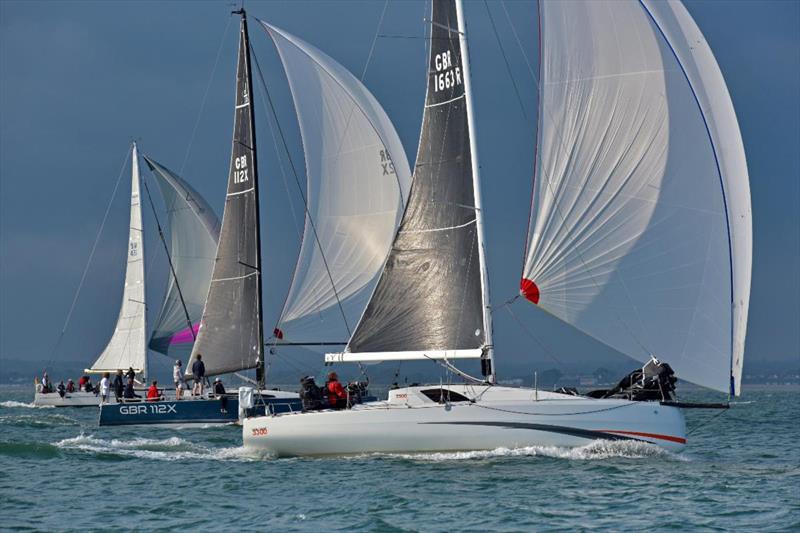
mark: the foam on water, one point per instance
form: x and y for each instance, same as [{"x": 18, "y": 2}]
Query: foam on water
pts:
[
  {"x": 600, "y": 449},
  {"x": 169, "y": 449},
  {"x": 37, "y": 421},
  {"x": 11, "y": 404}
]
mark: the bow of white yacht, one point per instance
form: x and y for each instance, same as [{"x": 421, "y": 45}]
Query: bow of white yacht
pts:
[{"x": 465, "y": 417}]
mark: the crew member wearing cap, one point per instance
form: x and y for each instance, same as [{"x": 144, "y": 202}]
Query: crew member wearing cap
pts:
[
  {"x": 177, "y": 377},
  {"x": 219, "y": 392},
  {"x": 337, "y": 396}
]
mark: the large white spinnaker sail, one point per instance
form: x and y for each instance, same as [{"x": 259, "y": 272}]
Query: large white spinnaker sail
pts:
[
  {"x": 357, "y": 182},
  {"x": 128, "y": 344},
  {"x": 193, "y": 236},
  {"x": 640, "y": 231}
]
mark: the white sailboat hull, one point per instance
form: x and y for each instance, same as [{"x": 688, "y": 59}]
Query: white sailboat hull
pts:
[
  {"x": 499, "y": 417},
  {"x": 70, "y": 399}
]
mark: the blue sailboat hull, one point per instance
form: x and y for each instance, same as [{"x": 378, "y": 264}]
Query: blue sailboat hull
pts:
[{"x": 201, "y": 411}]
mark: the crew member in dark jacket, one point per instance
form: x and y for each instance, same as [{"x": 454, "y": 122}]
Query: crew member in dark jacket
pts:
[
  {"x": 219, "y": 392},
  {"x": 198, "y": 373},
  {"x": 118, "y": 385},
  {"x": 129, "y": 392}
]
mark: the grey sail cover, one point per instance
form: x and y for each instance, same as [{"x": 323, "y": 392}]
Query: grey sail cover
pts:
[
  {"x": 358, "y": 178},
  {"x": 128, "y": 344},
  {"x": 429, "y": 295},
  {"x": 229, "y": 337},
  {"x": 193, "y": 236},
  {"x": 640, "y": 232}
]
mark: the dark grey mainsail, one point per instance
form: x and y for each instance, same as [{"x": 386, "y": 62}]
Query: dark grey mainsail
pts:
[
  {"x": 230, "y": 336},
  {"x": 430, "y": 297},
  {"x": 193, "y": 237}
]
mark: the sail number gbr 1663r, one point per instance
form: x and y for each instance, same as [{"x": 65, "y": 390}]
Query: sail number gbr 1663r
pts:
[
  {"x": 240, "y": 171},
  {"x": 446, "y": 75}
]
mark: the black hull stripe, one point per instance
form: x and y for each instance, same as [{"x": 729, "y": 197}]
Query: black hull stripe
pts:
[{"x": 575, "y": 432}]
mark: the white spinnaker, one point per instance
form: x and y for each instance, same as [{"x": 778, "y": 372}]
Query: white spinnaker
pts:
[
  {"x": 641, "y": 190},
  {"x": 358, "y": 179},
  {"x": 128, "y": 344}
]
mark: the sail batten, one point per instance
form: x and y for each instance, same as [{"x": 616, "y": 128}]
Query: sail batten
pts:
[
  {"x": 357, "y": 182},
  {"x": 230, "y": 336},
  {"x": 127, "y": 346},
  {"x": 630, "y": 238}
]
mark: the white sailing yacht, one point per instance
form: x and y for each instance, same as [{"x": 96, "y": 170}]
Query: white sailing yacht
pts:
[
  {"x": 194, "y": 231},
  {"x": 640, "y": 236}
]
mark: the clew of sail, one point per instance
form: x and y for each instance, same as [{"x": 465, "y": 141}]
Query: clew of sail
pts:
[
  {"x": 194, "y": 233},
  {"x": 357, "y": 180},
  {"x": 230, "y": 336},
  {"x": 127, "y": 347},
  {"x": 429, "y": 300},
  {"x": 640, "y": 230}
]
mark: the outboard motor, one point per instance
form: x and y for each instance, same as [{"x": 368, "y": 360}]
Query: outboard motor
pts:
[
  {"x": 654, "y": 381},
  {"x": 246, "y": 402}
]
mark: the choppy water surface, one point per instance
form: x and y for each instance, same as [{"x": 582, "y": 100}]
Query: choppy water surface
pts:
[{"x": 59, "y": 471}]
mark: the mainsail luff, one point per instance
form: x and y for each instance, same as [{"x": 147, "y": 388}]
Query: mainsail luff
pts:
[
  {"x": 640, "y": 234},
  {"x": 429, "y": 301},
  {"x": 127, "y": 346},
  {"x": 192, "y": 249},
  {"x": 230, "y": 337}
]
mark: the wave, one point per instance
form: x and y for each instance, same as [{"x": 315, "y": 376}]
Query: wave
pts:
[
  {"x": 11, "y": 404},
  {"x": 600, "y": 449},
  {"x": 171, "y": 449},
  {"x": 37, "y": 421}
]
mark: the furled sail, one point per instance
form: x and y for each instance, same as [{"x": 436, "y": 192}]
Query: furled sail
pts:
[
  {"x": 230, "y": 335},
  {"x": 358, "y": 179},
  {"x": 193, "y": 236},
  {"x": 429, "y": 300},
  {"x": 128, "y": 344},
  {"x": 640, "y": 230}
]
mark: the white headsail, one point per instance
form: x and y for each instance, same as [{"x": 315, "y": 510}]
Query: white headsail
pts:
[
  {"x": 128, "y": 344},
  {"x": 358, "y": 180},
  {"x": 640, "y": 231},
  {"x": 194, "y": 233}
]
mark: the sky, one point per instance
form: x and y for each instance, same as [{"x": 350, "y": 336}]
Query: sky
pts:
[{"x": 80, "y": 80}]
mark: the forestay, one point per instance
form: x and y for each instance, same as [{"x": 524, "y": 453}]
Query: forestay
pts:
[
  {"x": 127, "y": 347},
  {"x": 357, "y": 180},
  {"x": 193, "y": 236},
  {"x": 230, "y": 336},
  {"x": 640, "y": 231},
  {"x": 428, "y": 302}
]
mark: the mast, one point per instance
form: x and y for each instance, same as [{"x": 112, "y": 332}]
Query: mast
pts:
[
  {"x": 136, "y": 213},
  {"x": 245, "y": 43},
  {"x": 487, "y": 361}
]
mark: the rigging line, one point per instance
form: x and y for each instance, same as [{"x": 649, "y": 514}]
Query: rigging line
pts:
[
  {"x": 519, "y": 43},
  {"x": 374, "y": 40},
  {"x": 300, "y": 189},
  {"x": 91, "y": 256},
  {"x": 707, "y": 423},
  {"x": 528, "y": 120},
  {"x": 169, "y": 260},
  {"x": 522, "y": 325},
  {"x": 205, "y": 96}
]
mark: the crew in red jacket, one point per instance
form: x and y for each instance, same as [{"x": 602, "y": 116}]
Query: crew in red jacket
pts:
[
  {"x": 337, "y": 396},
  {"x": 153, "y": 394}
]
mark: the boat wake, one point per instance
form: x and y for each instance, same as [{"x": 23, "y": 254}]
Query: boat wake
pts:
[
  {"x": 171, "y": 449},
  {"x": 600, "y": 449},
  {"x": 11, "y": 404}
]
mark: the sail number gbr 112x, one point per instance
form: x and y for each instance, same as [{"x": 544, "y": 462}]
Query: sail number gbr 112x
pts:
[{"x": 446, "y": 75}]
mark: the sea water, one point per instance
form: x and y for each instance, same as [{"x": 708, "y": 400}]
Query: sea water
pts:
[{"x": 60, "y": 471}]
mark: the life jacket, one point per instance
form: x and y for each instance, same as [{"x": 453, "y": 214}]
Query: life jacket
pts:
[
  {"x": 152, "y": 393},
  {"x": 337, "y": 396}
]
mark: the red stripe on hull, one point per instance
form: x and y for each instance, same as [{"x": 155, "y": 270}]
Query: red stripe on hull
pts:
[{"x": 679, "y": 440}]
